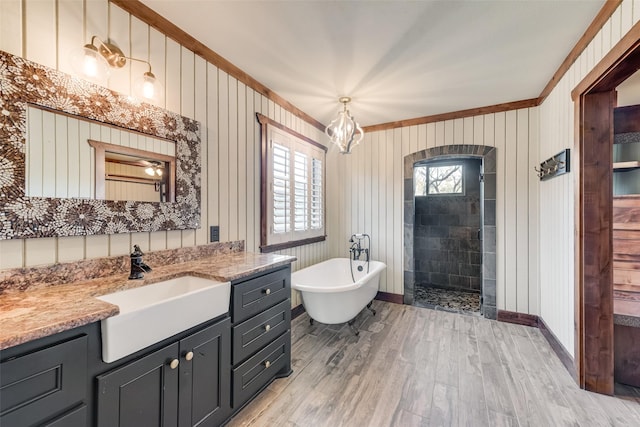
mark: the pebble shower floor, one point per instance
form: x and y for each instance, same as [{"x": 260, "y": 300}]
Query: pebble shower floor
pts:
[{"x": 445, "y": 299}]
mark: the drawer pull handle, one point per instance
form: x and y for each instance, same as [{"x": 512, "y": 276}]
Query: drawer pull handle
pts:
[
  {"x": 189, "y": 356},
  {"x": 267, "y": 291},
  {"x": 267, "y": 364},
  {"x": 174, "y": 363},
  {"x": 267, "y": 328}
]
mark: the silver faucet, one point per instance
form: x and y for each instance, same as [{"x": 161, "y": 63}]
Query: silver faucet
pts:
[{"x": 138, "y": 267}]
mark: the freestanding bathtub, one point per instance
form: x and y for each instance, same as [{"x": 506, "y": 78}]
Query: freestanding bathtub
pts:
[{"x": 329, "y": 294}]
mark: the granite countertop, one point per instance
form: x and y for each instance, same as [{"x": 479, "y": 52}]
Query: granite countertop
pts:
[{"x": 31, "y": 314}]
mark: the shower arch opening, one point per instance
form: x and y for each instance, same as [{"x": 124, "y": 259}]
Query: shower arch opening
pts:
[{"x": 487, "y": 155}]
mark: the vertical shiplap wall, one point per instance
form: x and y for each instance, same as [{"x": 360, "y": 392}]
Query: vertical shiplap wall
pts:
[
  {"x": 557, "y": 195},
  {"x": 45, "y": 31},
  {"x": 372, "y": 197}
]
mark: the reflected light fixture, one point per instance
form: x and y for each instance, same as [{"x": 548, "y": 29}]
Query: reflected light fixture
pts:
[
  {"x": 344, "y": 131},
  {"x": 154, "y": 169},
  {"x": 93, "y": 62}
]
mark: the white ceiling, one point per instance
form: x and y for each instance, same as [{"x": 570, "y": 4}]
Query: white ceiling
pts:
[{"x": 397, "y": 59}]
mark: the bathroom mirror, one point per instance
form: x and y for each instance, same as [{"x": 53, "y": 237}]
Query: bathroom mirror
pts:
[
  {"x": 123, "y": 165},
  {"x": 65, "y": 211}
]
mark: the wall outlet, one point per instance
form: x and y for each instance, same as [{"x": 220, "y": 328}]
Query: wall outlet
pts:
[{"x": 214, "y": 233}]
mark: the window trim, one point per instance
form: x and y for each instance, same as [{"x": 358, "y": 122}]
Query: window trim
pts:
[{"x": 265, "y": 152}]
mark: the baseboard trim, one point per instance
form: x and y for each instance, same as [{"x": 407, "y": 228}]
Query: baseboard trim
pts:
[
  {"x": 518, "y": 318},
  {"x": 537, "y": 322},
  {"x": 558, "y": 348},
  {"x": 389, "y": 297},
  {"x": 297, "y": 311}
]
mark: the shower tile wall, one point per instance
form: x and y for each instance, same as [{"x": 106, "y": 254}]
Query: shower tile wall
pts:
[{"x": 448, "y": 253}]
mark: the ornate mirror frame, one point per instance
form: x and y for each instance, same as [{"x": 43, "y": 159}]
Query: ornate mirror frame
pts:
[{"x": 23, "y": 82}]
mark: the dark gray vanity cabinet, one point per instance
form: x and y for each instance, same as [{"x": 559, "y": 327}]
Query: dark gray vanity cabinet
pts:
[
  {"x": 182, "y": 384},
  {"x": 45, "y": 386},
  {"x": 261, "y": 333}
]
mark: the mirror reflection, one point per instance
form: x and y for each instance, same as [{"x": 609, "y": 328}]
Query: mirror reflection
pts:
[
  {"x": 71, "y": 157},
  {"x": 128, "y": 177}
]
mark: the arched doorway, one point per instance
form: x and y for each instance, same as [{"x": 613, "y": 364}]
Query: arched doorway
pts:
[{"x": 488, "y": 156}]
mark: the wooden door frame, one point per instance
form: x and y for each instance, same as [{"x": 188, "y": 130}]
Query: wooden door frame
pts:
[{"x": 594, "y": 99}]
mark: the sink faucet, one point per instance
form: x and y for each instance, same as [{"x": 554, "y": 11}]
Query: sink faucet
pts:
[{"x": 138, "y": 267}]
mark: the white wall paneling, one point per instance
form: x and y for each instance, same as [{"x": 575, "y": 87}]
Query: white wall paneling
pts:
[
  {"x": 373, "y": 193},
  {"x": 556, "y": 196},
  {"x": 226, "y": 108}
]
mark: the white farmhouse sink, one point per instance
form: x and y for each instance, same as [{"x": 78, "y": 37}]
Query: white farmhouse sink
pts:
[{"x": 151, "y": 313}]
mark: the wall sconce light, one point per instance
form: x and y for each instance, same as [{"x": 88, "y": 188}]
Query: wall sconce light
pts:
[{"x": 94, "y": 63}]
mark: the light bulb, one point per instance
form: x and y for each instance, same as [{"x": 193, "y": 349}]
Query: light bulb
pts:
[
  {"x": 150, "y": 171},
  {"x": 147, "y": 87},
  {"x": 89, "y": 64},
  {"x": 159, "y": 171}
]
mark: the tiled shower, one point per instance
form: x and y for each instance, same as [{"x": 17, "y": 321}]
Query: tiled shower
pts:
[{"x": 447, "y": 244}]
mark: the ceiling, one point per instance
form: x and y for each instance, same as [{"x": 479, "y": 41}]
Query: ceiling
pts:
[{"x": 397, "y": 59}]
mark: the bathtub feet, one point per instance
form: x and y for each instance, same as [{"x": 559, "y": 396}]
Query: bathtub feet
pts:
[
  {"x": 311, "y": 321},
  {"x": 373, "y": 312},
  {"x": 355, "y": 330}
]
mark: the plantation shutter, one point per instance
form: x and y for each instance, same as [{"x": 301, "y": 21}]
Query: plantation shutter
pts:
[
  {"x": 293, "y": 209},
  {"x": 301, "y": 201},
  {"x": 281, "y": 190},
  {"x": 317, "y": 208}
]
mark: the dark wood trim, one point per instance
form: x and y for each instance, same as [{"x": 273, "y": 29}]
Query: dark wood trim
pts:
[
  {"x": 594, "y": 100},
  {"x": 508, "y": 106},
  {"x": 169, "y": 29},
  {"x": 557, "y": 348},
  {"x": 264, "y": 145},
  {"x": 297, "y": 311},
  {"x": 389, "y": 297},
  {"x": 616, "y": 57},
  {"x": 291, "y": 244},
  {"x": 537, "y": 322},
  {"x": 596, "y": 138},
  {"x": 264, "y": 159},
  {"x": 598, "y": 22},
  {"x": 264, "y": 120},
  {"x": 578, "y": 251},
  {"x": 518, "y": 318}
]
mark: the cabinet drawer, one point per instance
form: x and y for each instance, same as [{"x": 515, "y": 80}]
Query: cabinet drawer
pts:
[
  {"x": 255, "y": 295},
  {"x": 36, "y": 386},
  {"x": 258, "y": 331},
  {"x": 259, "y": 370}
]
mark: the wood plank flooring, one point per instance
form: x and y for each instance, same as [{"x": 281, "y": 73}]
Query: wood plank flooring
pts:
[{"x": 413, "y": 366}]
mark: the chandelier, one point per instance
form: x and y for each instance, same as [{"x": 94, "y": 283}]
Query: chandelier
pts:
[{"x": 344, "y": 131}]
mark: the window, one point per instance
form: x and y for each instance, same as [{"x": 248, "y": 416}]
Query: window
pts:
[
  {"x": 441, "y": 179},
  {"x": 293, "y": 188}
]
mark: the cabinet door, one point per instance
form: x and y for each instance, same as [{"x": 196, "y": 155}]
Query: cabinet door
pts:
[
  {"x": 36, "y": 386},
  {"x": 204, "y": 376},
  {"x": 141, "y": 393}
]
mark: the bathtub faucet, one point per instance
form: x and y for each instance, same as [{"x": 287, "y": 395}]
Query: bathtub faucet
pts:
[{"x": 356, "y": 247}]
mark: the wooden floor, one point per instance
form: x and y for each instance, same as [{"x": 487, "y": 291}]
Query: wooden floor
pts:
[{"x": 413, "y": 366}]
